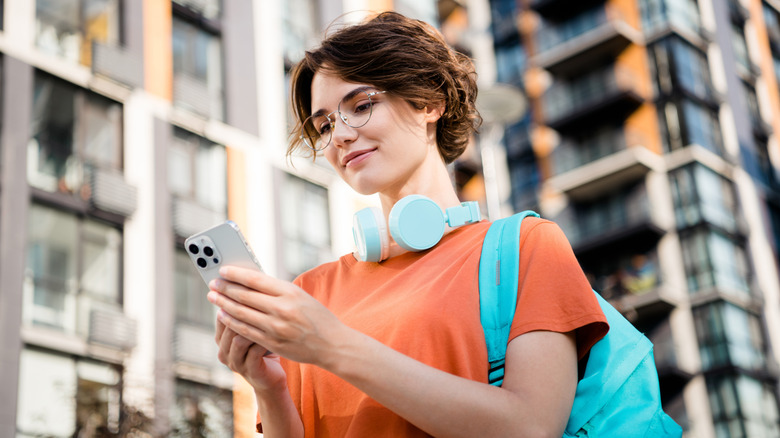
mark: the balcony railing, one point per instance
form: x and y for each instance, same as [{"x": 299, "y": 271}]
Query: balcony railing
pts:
[
  {"x": 611, "y": 225},
  {"x": 571, "y": 153},
  {"x": 565, "y": 48},
  {"x": 599, "y": 95}
]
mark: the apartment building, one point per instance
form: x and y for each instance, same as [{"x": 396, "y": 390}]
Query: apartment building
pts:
[
  {"x": 127, "y": 126},
  {"x": 652, "y": 139}
]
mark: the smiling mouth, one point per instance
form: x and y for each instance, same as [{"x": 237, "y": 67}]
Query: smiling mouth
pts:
[{"x": 357, "y": 157}]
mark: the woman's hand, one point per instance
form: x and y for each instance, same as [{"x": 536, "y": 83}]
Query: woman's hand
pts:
[
  {"x": 258, "y": 366},
  {"x": 275, "y": 314}
]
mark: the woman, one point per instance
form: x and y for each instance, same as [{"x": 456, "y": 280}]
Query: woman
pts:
[{"x": 395, "y": 348}]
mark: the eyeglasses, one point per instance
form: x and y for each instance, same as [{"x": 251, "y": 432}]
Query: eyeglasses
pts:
[{"x": 355, "y": 111}]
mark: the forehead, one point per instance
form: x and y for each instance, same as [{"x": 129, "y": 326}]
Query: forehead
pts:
[{"x": 327, "y": 90}]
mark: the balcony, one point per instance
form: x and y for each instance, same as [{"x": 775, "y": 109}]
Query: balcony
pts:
[
  {"x": 633, "y": 283},
  {"x": 591, "y": 99},
  {"x": 621, "y": 165},
  {"x": 615, "y": 224},
  {"x": 567, "y": 47},
  {"x": 118, "y": 64},
  {"x": 672, "y": 375},
  {"x": 562, "y": 9}
]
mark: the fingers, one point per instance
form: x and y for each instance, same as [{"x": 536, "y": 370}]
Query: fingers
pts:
[
  {"x": 238, "y": 327},
  {"x": 254, "y": 279},
  {"x": 238, "y": 352}
]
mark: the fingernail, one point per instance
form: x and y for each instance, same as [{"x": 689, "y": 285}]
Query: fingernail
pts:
[
  {"x": 223, "y": 271},
  {"x": 221, "y": 315},
  {"x": 212, "y": 297}
]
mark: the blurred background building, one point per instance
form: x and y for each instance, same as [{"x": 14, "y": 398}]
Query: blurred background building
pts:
[{"x": 650, "y": 136}]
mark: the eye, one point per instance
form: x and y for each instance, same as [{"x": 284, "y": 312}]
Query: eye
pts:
[
  {"x": 324, "y": 127},
  {"x": 362, "y": 106}
]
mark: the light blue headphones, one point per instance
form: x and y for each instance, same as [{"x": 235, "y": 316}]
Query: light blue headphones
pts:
[{"x": 416, "y": 224}]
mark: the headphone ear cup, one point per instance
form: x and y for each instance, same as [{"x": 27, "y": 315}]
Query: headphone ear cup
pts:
[
  {"x": 370, "y": 233},
  {"x": 416, "y": 223}
]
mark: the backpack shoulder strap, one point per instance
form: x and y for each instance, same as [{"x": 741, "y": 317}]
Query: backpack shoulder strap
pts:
[{"x": 498, "y": 269}]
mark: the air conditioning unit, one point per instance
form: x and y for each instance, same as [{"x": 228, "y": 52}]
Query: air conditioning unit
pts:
[
  {"x": 110, "y": 192},
  {"x": 112, "y": 328},
  {"x": 189, "y": 217},
  {"x": 192, "y": 94},
  {"x": 195, "y": 346},
  {"x": 118, "y": 64}
]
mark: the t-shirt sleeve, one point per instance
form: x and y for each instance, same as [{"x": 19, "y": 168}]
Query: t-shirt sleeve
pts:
[{"x": 553, "y": 292}]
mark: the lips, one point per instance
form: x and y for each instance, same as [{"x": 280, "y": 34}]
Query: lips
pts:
[{"x": 353, "y": 158}]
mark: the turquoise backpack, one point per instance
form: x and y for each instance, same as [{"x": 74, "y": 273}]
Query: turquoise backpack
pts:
[{"x": 618, "y": 395}]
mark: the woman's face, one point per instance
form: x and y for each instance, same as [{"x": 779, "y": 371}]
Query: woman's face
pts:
[{"x": 390, "y": 153}]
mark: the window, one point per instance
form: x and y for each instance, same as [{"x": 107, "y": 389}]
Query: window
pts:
[
  {"x": 772, "y": 22},
  {"x": 754, "y": 112},
  {"x": 192, "y": 307},
  {"x": 197, "y": 170},
  {"x": 510, "y": 63},
  {"x": 697, "y": 124},
  {"x": 713, "y": 260},
  {"x": 658, "y": 15},
  {"x": 73, "y": 264},
  {"x": 201, "y": 411},
  {"x": 740, "y": 48},
  {"x": 690, "y": 68},
  {"x": 67, "y": 28},
  {"x": 208, "y": 9},
  {"x": 82, "y": 397},
  {"x": 301, "y": 29},
  {"x": 72, "y": 130},
  {"x": 525, "y": 178},
  {"x": 305, "y": 225},
  {"x": 742, "y": 406},
  {"x": 197, "y": 69},
  {"x": 729, "y": 335},
  {"x": 702, "y": 195}
]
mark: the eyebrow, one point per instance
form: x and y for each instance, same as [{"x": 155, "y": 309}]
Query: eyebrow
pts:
[{"x": 350, "y": 95}]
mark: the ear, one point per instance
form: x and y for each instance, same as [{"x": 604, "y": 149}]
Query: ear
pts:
[{"x": 433, "y": 112}]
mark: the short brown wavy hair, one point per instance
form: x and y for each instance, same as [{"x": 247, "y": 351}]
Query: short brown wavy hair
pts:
[{"x": 407, "y": 58}]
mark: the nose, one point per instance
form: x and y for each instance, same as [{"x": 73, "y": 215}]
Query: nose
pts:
[{"x": 342, "y": 133}]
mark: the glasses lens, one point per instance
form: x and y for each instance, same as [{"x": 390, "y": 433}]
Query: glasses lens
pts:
[
  {"x": 316, "y": 132},
  {"x": 356, "y": 110}
]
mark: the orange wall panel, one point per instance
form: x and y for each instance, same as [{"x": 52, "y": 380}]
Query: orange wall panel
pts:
[
  {"x": 158, "y": 48},
  {"x": 765, "y": 62}
]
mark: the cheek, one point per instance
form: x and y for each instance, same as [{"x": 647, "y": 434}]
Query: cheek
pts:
[{"x": 331, "y": 154}]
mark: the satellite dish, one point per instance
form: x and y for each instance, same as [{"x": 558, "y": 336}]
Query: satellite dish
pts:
[{"x": 501, "y": 103}]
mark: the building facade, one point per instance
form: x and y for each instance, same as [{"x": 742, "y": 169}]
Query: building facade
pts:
[
  {"x": 127, "y": 126},
  {"x": 652, "y": 139}
]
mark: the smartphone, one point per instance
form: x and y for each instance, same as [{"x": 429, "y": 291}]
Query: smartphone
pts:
[{"x": 218, "y": 246}]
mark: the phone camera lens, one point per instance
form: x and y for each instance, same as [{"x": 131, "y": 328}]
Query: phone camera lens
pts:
[
  {"x": 202, "y": 262},
  {"x": 208, "y": 251},
  {"x": 194, "y": 248},
  {"x": 216, "y": 261}
]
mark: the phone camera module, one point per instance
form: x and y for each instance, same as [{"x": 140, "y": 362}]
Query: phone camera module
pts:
[
  {"x": 194, "y": 248},
  {"x": 202, "y": 262},
  {"x": 208, "y": 251}
]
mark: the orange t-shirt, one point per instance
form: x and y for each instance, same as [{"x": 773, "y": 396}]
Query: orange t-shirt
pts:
[{"x": 426, "y": 306}]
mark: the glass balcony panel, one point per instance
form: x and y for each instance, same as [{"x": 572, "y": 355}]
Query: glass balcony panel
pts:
[
  {"x": 576, "y": 152},
  {"x": 589, "y": 96},
  {"x": 552, "y": 34}
]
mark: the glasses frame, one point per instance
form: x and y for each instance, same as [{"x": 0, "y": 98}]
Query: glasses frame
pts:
[{"x": 332, "y": 121}]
